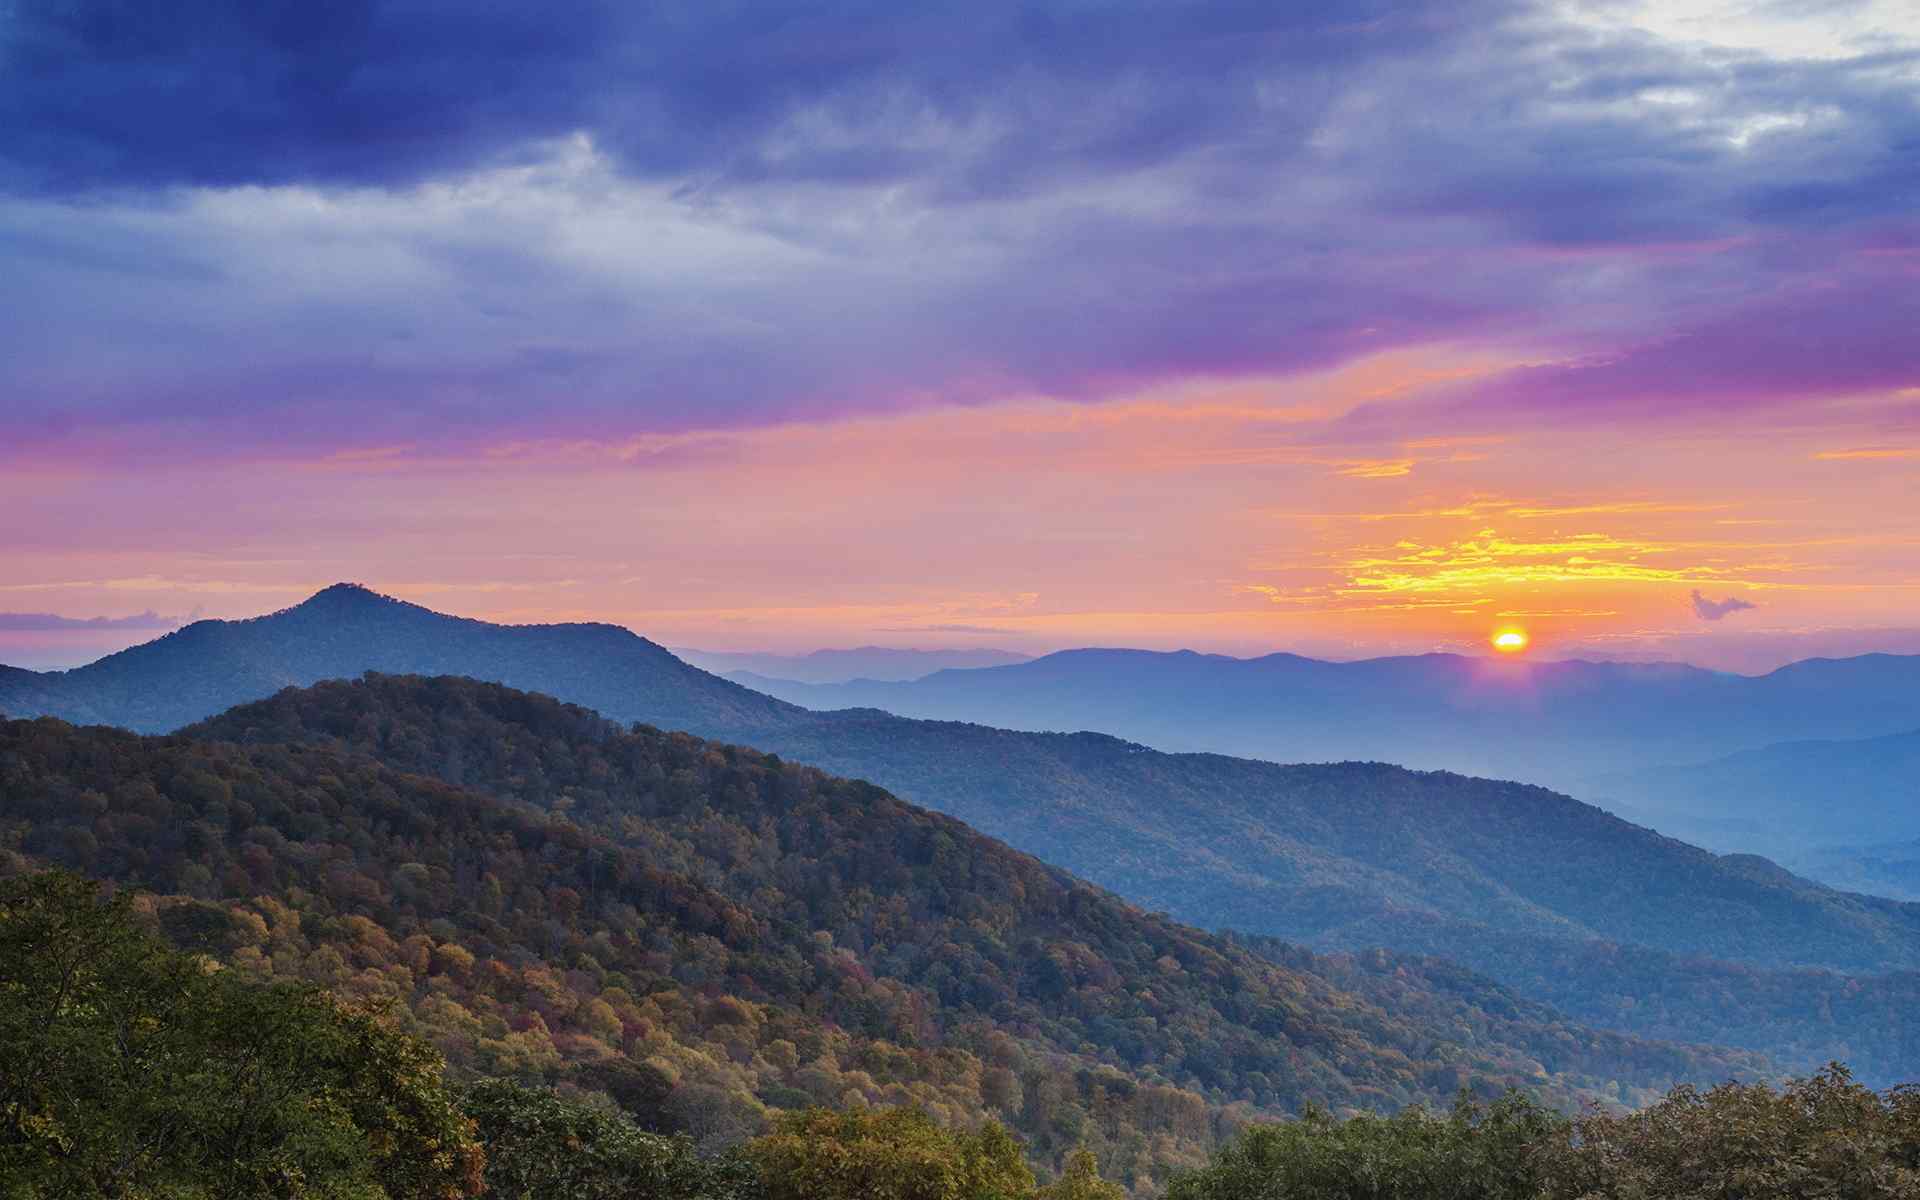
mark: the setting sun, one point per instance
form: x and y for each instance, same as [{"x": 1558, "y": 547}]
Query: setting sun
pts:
[{"x": 1510, "y": 641}]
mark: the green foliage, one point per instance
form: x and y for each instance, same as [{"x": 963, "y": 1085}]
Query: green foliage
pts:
[
  {"x": 559, "y": 757},
  {"x": 129, "y": 1070},
  {"x": 1824, "y": 1136},
  {"x": 708, "y": 935},
  {"x": 1820, "y": 1137},
  {"x": 1080, "y": 1180},
  {"x": 1473, "y": 1153},
  {"x": 544, "y": 1146},
  {"x": 898, "y": 1154},
  {"x": 1801, "y": 1018}
]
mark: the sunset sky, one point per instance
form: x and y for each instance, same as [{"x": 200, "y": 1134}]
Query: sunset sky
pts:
[{"x": 1345, "y": 329}]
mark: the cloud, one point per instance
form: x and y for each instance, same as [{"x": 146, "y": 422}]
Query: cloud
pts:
[
  {"x": 51, "y": 622},
  {"x": 309, "y": 229},
  {"x": 391, "y": 93},
  {"x": 1716, "y": 610},
  {"x": 1868, "y": 452}
]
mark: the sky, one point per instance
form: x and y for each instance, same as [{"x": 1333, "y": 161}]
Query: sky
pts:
[{"x": 1345, "y": 329}]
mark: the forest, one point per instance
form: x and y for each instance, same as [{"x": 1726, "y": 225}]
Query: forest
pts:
[
  {"x": 1611, "y": 925},
  {"x": 129, "y": 1068},
  {"x": 1800, "y": 1016},
  {"x": 572, "y": 958},
  {"x": 685, "y": 949},
  {"x": 712, "y": 936}
]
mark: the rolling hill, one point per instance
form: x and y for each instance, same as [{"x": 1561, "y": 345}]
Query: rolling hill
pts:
[
  {"x": 1532, "y": 888},
  {"x": 706, "y": 932},
  {"x": 1802, "y": 1018}
]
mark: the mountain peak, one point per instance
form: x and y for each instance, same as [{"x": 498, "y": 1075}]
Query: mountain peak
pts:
[
  {"x": 345, "y": 597},
  {"x": 345, "y": 591},
  {"x": 339, "y": 602}
]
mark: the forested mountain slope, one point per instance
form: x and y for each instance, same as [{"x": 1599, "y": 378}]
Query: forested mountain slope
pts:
[
  {"x": 1499, "y": 877},
  {"x": 1343, "y": 854},
  {"x": 1357, "y": 854},
  {"x": 1802, "y": 1017},
  {"x": 704, "y": 931}
]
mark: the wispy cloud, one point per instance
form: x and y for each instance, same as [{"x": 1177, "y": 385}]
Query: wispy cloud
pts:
[
  {"x": 1869, "y": 452},
  {"x": 12, "y": 622},
  {"x": 162, "y": 583}
]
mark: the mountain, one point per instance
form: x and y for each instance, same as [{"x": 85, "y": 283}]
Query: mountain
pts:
[
  {"x": 1341, "y": 854},
  {"x": 864, "y": 663},
  {"x": 1556, "y": 723},
  {"x": 1883, "y": 869},
  {"x": 706, "y": 932},
  {"x": 1803, "y": 1018},
  {"x": 1786, "y": 800},
  {"x": 1534, "y": 889},
  {"x": 209, "y": 666}
]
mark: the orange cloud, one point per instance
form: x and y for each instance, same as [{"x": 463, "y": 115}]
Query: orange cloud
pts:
[{"x": 1869, "y": 452}]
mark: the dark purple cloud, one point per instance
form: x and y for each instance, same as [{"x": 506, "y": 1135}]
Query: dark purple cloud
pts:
[
  {"x": 290, "y": 228},
  {"x": 1718, "y": 610},
  {"x": 221, "y": 92},
  {"x": 1819, "y": 336}
]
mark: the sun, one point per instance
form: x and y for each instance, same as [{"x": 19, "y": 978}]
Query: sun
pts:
[{"x": 1510, "y": 641}]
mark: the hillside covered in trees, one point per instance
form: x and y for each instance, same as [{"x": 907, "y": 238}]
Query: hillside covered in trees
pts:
[
  {"x": 129, "y": 1069},
  {"x": 708, "y": 934},
  {"x": 1803, "y": 1018},
  {"x": 1341, "y": 855}
]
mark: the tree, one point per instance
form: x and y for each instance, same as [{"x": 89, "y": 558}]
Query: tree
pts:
[
  {"x": 543, "y": 1146},
  {"x": 1821, "y": 1136},
  {"x": 1473, "y": 1153},
  {"x": 127, "y": 1069},
  {"x": 1081, "y": 1181},
  {"x": 893, "y": 1154}
]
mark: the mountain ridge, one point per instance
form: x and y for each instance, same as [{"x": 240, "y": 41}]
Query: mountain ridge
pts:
[
  {"x": 1780, "y": 799},
  {"x": 1553, "y": 722},
  {"x": 706, "y": 880},
  {"x": 260, "y": 659},
  {"x": 1345, "y": 856},
  {"x": 874, "y": 663}
]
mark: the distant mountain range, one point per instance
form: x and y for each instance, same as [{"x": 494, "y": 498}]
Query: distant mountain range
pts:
[
  {"x": 1554, "y": 897},
  {"x": 1555, "y": 723},
  {"x": 879, "y": 663},
  {"x": 1796, "y": 801},
  {"x": 1884, "y": 868}
]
